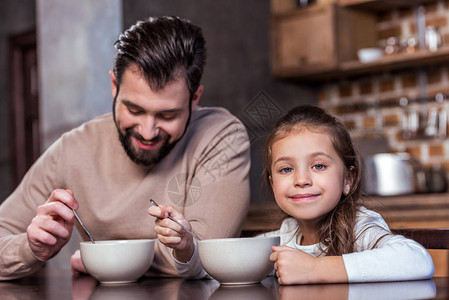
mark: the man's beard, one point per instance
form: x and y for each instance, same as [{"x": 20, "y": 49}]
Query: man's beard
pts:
[{"x": 145, "y": 157}]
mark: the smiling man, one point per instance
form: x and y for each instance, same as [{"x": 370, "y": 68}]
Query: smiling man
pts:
[{"x": 157, "y": 143}]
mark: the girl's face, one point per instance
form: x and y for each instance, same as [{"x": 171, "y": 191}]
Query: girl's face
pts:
[{"x": 308, "y": 177}]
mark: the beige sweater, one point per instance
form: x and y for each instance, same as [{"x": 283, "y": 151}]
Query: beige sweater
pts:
[{"x": 206, "y": 177}]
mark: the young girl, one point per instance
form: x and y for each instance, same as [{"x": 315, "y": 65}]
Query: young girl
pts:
[{"x": 315, "y": 175}]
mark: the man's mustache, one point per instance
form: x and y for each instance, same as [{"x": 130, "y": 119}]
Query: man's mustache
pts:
[{"x": 159, "y": 137}]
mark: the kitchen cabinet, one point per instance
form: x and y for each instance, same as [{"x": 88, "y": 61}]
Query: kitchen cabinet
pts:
[
  {"x": 317, "y": 39},
  {"x": 320, "y": 42}
]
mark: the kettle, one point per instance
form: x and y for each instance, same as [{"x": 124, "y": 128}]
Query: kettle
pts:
[{"x": 391, "y": 174}]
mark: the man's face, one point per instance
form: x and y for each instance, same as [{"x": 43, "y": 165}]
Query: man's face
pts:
[{"x": 150, "y": 122}]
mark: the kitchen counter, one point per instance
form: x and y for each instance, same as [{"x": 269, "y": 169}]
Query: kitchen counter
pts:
[
  {"x": 412, "y": 211},
  {"x": 406, "y": 211}
]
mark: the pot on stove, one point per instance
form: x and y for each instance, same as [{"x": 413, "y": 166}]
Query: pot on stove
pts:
[{"x": 391, "y": 174}]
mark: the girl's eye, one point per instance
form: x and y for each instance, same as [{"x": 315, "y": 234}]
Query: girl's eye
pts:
[
  {"x": 286, "y": 170},
  {"x": 319, "y": 167}
]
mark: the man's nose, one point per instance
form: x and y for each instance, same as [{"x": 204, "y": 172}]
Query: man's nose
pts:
[{"x": 149, "y": 128}]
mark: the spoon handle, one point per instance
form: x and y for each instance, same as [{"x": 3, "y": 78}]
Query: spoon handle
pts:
[
  {"x": 171, "y": 218},
  {"x": 82, "y": 225}
]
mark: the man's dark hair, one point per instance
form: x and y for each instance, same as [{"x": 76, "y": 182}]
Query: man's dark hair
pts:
[{"x": 162, "y": 48}]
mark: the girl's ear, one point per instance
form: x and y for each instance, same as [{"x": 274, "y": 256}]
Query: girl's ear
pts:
[
  {"x": 271, "y": 180},
  {"x": 349, "y": 179},
  {"x": 346, "y": 189}
]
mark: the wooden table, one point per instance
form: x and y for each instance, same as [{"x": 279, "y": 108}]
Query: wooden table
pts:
[{"x": 59, "y": 284}]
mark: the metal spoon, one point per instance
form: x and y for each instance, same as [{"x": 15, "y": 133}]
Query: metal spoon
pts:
[
  {"x": 171, "y": 218},
  {"x": 82, "y": 225}
]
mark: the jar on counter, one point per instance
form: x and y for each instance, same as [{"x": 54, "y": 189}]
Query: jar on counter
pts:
[
  {"x": 432, "y": 38},
  {"x": 436, "y": 179},
  {"x": 392, "y": 45}
]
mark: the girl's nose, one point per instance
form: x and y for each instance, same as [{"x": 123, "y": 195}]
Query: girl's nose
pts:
[{"x": 303, "y": 179}]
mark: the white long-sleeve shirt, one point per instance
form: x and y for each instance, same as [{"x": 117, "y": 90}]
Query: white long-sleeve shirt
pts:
[{"x": 394, "y": 258}]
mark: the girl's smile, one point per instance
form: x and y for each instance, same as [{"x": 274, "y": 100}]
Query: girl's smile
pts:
[{"x": 304, "y": 197}]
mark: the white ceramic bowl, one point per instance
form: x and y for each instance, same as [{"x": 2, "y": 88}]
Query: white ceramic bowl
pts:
[
  {"x": 369, "y": 54},
  {"x": 237, "y": 260},
  {"x": 117, "y": 261}
]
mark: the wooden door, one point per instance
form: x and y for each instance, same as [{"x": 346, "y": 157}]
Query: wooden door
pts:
[{"x": 24, "y": 104}]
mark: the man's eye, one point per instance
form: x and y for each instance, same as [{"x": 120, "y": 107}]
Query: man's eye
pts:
[
  {"x": 319, "y": 167},
  {"x": 167, "y": 116},
  {"x": 134, "y": 111}
]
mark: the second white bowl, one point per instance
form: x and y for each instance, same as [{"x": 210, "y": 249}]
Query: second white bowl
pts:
[{"x": 237, "y": 260}]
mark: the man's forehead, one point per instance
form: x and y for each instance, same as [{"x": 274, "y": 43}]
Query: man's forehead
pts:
[{"x": 158, "y": 81}]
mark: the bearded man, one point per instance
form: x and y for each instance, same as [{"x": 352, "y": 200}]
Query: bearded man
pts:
[{"x": 157, "y": 143}]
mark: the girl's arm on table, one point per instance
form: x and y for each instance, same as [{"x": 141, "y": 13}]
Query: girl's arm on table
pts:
[
  {"x": 294, "y": 266},
  {"x": 396, "y": 258}
]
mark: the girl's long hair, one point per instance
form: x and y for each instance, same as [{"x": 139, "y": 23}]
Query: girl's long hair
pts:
[{"x": 336, "y": 230}]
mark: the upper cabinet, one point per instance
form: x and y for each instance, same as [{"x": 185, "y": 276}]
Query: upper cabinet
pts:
[{"x": 320, "y": 41}]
